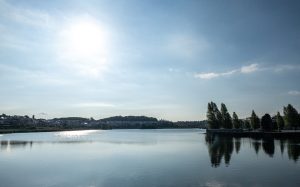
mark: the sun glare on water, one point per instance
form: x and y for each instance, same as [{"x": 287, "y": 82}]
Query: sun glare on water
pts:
[{"x": 74, "y": 134}]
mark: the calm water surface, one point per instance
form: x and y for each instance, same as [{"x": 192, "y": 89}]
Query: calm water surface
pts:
[{"x": 142, "y": 158}]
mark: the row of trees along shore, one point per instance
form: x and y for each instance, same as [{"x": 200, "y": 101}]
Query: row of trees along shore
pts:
[{"x": 217, "y": 119}]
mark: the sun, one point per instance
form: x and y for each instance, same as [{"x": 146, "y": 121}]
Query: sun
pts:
[
  {"x": 85, "y": 38},
  {"x": 84, "y": 45}
]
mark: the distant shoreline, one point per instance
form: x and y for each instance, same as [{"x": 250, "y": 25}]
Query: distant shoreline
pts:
[{"x": 15, "y": 124}]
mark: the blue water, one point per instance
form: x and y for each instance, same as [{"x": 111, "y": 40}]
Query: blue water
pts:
[{"x": 142, "y": 158}]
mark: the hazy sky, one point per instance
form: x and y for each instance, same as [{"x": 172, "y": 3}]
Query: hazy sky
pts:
[{"x": 164, "y": 58}]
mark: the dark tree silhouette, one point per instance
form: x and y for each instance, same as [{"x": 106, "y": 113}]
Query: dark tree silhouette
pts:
[
  {"x": 213, "y": 115},
  {"x": 279, "y": 121},
  {"x": 266, "y": 123},
  {"x": 226, "y": 118},
  {"x": 291, "y": 116},
  {"x": 254, "y": 120},
  {"x": 247, "y": 124},
  {"x": 235, "y": 121}
]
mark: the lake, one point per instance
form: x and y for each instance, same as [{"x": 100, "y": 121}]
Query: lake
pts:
[{"x": 144, "y": 158}]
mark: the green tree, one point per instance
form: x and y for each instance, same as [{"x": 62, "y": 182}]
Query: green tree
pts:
[
  {"x": 235, "y": 121},
  {"x": 254, "y": 120},
  {"x": 274, "y": 123},
  {"x": 217, "y": 114},
  {"x": 211, "y": 117},
  {"x": 242, "y": 124},
  {"x": 279, "y": 121},
  {"x": 219, "y": 118},
  {"x": 226, "y": 118},
  {"x": 291, "y": 116},
  {"x": 266, "y": 123},
  {"x": 247, "y": 124}
]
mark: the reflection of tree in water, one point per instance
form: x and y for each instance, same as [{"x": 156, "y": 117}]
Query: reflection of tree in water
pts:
[
  {"x": 228, "y": 149},
  {"x": 219, "y": 147},
  {"x": 268, "y": 146},
  {"x": 257, "y": 145},
  {"x": 237, "y": 144},
  {"x": 293, "y": 149},
  {"x": 4, "y": 144},
  {"x": 282, "y": 145},
  {"x": 222, "y": 147}
]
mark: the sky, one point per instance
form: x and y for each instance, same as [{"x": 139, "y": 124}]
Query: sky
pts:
[{"x": 166, "y": 59}]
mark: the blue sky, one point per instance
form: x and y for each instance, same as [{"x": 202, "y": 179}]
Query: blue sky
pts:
[{"x": 165, "y": 59}]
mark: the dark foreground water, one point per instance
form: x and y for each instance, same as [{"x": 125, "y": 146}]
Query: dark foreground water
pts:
[{"x": 142, "y": 158}]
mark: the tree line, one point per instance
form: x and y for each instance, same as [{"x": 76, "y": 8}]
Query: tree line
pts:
[{"x": 217, "y": 119}]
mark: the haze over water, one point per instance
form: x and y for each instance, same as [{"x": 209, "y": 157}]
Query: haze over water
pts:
[{"x": 165, "y": 157}]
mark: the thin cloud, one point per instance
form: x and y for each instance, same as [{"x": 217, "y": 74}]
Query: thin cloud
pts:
[
  {"x": 24, "y": 15},
  {"x": 249, "y": 69},
  {"x": 34, "y": 77},
  {"x": 93, "y": 105},
  {"x": 42, "y": 113},
  {"x": 286, "y": 67},
  {"x": 244, "y": 69},
  {"x": 294, "y": 93},
  {"x": 10, "y": 41},
  {"x": 207, "y": 75},
  {"x": 24, "y": 18},
  {"x": 229, "y": 73}
]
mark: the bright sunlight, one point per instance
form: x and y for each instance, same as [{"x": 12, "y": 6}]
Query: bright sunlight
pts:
[
  {"x": 84, "y": 45},
  {"x": 85, "y": 38}
]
